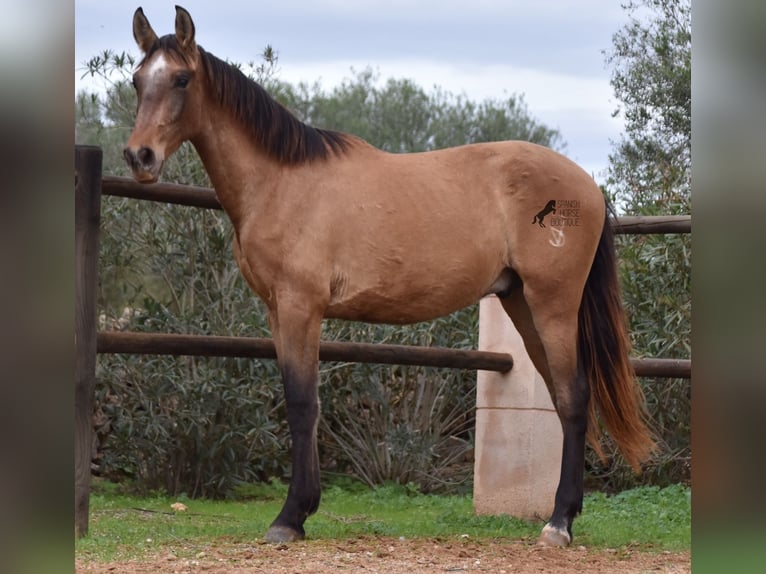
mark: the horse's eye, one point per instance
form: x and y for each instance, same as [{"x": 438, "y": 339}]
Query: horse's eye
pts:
[{"x": 181, "y": 81}]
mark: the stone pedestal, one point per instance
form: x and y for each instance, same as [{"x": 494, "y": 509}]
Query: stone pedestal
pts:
[{"x": 518, "y": 434}]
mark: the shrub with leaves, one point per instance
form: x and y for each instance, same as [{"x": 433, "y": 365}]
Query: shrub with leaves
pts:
[
  {"x": 650, "y": 174},
  {"x": 408, "y": 425},
  {"x": 187, "y": 424}
]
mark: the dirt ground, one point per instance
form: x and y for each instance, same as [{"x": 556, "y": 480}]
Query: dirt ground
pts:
[{"x": 393, "y": 556}]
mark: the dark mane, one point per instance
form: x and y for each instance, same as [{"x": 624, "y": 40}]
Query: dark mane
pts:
[{"x": 280, "y": 134}]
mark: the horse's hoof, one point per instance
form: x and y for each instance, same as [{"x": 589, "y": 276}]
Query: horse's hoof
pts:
[
  {"x": 552, "y": 536},
  {"x": 282, "y": 534}
]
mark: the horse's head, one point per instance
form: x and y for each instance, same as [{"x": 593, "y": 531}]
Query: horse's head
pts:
[{"x": 169, "y": 95}]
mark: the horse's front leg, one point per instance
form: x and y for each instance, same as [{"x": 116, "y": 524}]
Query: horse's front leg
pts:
[{"x": 296, "y": 325}]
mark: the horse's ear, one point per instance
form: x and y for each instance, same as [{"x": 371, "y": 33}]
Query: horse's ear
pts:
[
  {"x": 184, "y": 29},
  {"x": 142, "y": 31}
]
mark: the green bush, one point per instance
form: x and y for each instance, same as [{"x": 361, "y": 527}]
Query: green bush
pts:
[
  {"x": 402, "y": 424},
  {"x": 186, "y": 424},
  {"x": 193, "y": 426},
  {"x": 655, "y": 272}
]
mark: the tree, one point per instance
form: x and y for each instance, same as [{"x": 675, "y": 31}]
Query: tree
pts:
[
  {"x": 400, "y": 116},
  {"x": 650, "y": 174},
  {"x": 650, "y": 169}
]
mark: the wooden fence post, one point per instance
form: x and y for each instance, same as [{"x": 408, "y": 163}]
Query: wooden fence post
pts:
[
  {"x": 88, "y": 161},
  {"x": 518, "y": 434}
]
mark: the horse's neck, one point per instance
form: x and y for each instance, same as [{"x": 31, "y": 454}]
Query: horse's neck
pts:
[{"x": 240, "y": 172}]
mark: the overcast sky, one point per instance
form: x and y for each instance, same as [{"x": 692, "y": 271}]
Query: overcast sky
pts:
[{"x": 548, "y": 50}]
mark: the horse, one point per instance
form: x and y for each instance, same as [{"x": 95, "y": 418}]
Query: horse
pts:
[
  {"x": 326, "y": 225},
  {"x": 550, "y": 207}
]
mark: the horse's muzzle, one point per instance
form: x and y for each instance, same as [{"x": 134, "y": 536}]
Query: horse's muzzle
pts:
[{"x": 143, "y": 163}]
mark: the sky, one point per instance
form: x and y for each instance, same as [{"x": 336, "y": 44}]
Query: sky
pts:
[{"x": 551, "y": 51}]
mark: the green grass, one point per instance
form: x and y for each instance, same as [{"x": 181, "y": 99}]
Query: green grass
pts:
[{"x": 123, "y": 526}]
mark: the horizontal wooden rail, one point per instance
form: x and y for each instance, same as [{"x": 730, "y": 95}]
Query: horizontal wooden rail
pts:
[
  {"x": 649, "y": 224},
  {"x": 205, "y": 197},
  {"x": 164, "y": 192},
  {"x": 122, "y": 342},
  {"x": 670, "y": 368}
]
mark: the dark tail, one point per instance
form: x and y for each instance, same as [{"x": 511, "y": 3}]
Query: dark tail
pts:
[{"x": 604, "y": 348}]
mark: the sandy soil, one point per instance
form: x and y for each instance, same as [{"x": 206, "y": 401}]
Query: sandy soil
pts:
[{"x": 393, "y": 556}]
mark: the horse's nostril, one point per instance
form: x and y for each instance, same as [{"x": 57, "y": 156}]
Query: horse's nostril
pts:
[
  {"x": 132, "y": 158},
  {"x": 142, "y": 159},
  {"x": 146, "y": 156}
]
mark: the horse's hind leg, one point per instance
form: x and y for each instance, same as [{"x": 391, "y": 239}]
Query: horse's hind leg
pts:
[
  {"x": 548, "y": 325},
  {"x": 296, "y": 328}
]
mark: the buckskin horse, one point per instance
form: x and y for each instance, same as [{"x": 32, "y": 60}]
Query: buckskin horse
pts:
[{"x": 326, "y": 225}]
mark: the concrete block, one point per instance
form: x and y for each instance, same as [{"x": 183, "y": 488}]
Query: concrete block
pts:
[{"x": 518, "y": 434}]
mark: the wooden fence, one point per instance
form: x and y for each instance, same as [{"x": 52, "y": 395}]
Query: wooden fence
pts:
[{"x": 90, "y": 184}]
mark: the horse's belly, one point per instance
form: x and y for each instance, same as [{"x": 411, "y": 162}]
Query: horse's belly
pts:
[
  {"x": 406, "y": 301},
  {"x": 383, "y": 310}
]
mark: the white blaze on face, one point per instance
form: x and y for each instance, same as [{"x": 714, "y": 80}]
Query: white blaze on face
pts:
[{"x": 156, "y": 68}]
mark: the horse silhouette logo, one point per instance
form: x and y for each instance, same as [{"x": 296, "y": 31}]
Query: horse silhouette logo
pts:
[{"x": 550, "y": 207}]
